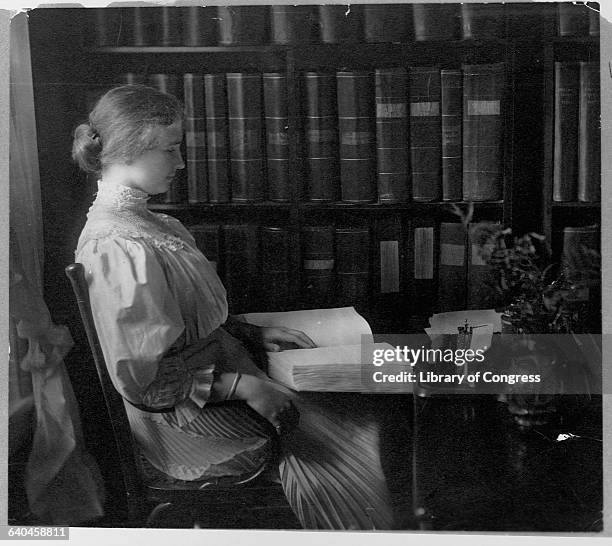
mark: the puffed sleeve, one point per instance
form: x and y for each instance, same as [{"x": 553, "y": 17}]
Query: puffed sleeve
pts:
[{"x": 139, "y": 322}]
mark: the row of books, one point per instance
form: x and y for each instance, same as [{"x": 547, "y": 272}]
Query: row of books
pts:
[
  {"x": 577, "y": 132},
  {"x": 437, "y": 264},
  {"x": 286, "y": 24},
  {"x": 391, "y": 135}
]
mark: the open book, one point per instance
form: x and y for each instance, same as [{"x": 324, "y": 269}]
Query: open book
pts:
[{"x": 335, "y": 365}]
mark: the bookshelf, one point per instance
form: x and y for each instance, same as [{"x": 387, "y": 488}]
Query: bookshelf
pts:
[{"x": 526, "y": 44}]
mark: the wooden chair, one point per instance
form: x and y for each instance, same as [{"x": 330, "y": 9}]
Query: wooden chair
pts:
[{"x": 149, "y": 493}]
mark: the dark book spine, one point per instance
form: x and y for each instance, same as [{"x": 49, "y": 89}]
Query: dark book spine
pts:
[
  {"x": 321, "y": 137},
  {"x": 387, "y": 23},
  {"x": 565, "y": 160},
  {"x": 434, "y": 21},
  {"x": 481, "y": 287},
  {"x": 131, "y": 78},
  {"x": 452, "y": 274},
  {"x": 241, "y": 267},
  {"x": 483, "y": 90},
  {"x": 390, "y": 268},
  {"x": 207, "y": 240},
  {"x": 339, "y": 24},
  {"x": 145, "y": 25},
  {"x": 425, "y": 133},
  {"x": 199, "y": 26},
  {"x": 589, "y": 136},
  {"x": 112, "y": 26},
  {"x": 170, "y": 23},
  {"x": 195, "y": 138},
  {"x": 169, "y": 83},
  {"x": 277, "y": 135},
  {"x": 422, "y": 262},
  {"x": 594, "y": 18},
  {"x": 356, "y": 124},
  {"x": 244, "y": 104},
  {"x": 242, "y": 25},
  {"x": 451, "y": 105},
  {"x": 353, "y": 267},
  {"x": 275, "y": 291},
  {"x": 392, "y": 134},
  {"x": 294, "y": 24},
  {"x": 483, "y": 21},
  {"x": 578, "y": 242},
  {"x": 317, "y": 245},
  {"x": 573, "y": 19},
  {"x": 217, "y": 138}
]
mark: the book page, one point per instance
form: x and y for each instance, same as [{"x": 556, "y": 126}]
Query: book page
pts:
[
  {"x": 325, "y": 369},
  {"x": 326, "y": 327}
]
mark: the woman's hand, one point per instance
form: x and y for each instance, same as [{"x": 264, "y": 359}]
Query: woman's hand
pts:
[
  {"x": 278, "y": 338},
  {"x": 271, "y": 400}
]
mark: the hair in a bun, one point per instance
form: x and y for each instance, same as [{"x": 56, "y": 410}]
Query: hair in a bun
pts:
[
  {"x": 122, "y": 126},
  {"x": 87, "y": 148}
]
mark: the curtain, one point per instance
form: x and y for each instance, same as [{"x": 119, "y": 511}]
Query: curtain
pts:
[{"x": 63, "y": 483}]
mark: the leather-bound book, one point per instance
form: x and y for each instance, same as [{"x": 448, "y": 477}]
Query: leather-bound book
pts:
[
  {"x": 317, "y": 254},
  {"x": 321, "y": 137},
  {"x": 241, "y": 267},
  {"x": 452, "y": 273},
  {"x": 294, "y": 24},
  {"x": 277, "y": 135},
  {"x": 483, "y": 92},
  {"x": 244, "y": 102},
  {"x": 112, "y": 27},
  {"x": 390, "y": 253},
  {"x": 195, "y": 138},
  {"x": 340, "y": 23},
  {"x": 594, "y": 18},
  {"x": 422, "y": 255},
  {"x": 170, "y": 26},
  {"x": 146, "y": 26},
  {"x": 425, "y": 133},
  {"x": 171, "y": 84},
  {"x": 589, "y": 134},
  {"x": 243, "y": 25},
  {"x": 573, "y": 19},
  {"x": 132, "y": 78},
  {"x": 274, "y": 245},
  {"x": 451, "y": 82},
  {"x": 435, "y": 21},
  {"x": 483, "y": 21},
  {"x": 199, "y": 26},
  {"x": 353, "y": 267},
  {"x": 387, "y": 22},
  {"x": 217, "y": 137},
  {"x": 392, "y": 134},
  {"x": 481, "y": 287},
  {"x": 207, "y": 238},
  {"x": 357, "y": 135},
  {"x": 578, "y": 242},
  {"x": 565, "y": 160}
]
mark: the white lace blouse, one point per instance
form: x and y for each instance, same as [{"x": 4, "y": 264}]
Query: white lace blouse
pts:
[{"x": 152, "y": 293}]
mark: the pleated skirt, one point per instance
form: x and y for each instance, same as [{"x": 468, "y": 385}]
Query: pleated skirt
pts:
[{"x": 329, "y": 466}]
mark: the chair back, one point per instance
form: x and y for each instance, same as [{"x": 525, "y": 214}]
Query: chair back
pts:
[{"x": 124, "y": 441}]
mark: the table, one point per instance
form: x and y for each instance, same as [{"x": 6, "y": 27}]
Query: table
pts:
[{"x": 460, "y": 462}]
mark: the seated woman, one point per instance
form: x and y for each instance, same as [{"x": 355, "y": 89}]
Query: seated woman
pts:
[{"x": 197, "y": 403}]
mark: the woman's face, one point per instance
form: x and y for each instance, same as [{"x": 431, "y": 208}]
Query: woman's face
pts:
[{"x": 154, "y": 170}]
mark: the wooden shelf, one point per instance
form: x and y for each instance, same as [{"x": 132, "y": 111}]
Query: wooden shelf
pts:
[
  {"x": 575, "y": 205},
  {"x": 416, "y": 206},
  {"x": 194, "y": 207}
]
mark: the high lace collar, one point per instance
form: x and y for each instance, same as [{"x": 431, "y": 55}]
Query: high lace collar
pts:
[{"x": 121, "y": 197}]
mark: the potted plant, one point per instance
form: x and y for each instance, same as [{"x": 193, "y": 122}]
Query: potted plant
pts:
[{"x": 539, "y": 297}]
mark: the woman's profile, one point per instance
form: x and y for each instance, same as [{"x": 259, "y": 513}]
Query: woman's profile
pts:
[{"x": 198, "y": 404}]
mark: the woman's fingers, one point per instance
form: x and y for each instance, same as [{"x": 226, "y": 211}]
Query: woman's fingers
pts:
[{"x": 299, "y": 338}]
